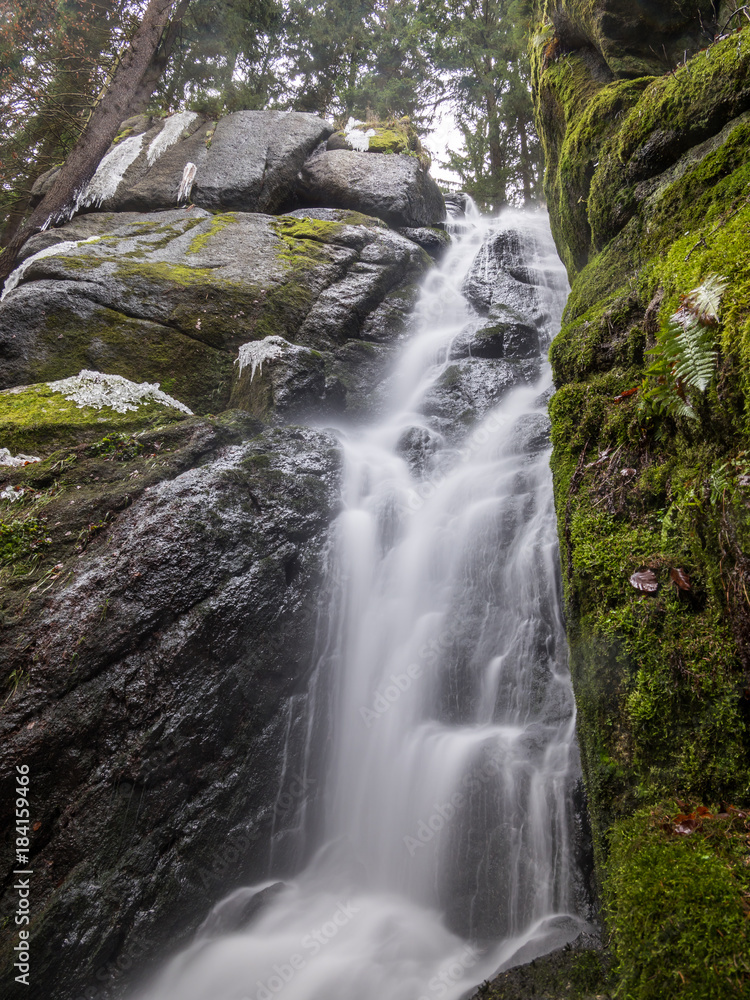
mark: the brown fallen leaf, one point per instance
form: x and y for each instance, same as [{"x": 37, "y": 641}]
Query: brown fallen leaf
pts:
[
  {"x": 628, "y": 392},
  {"x": 645, "y": 580},
  {"x": 680, "y": 579}
]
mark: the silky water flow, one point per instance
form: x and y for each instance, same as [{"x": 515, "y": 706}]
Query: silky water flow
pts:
[{"x": 438, "y": 846}]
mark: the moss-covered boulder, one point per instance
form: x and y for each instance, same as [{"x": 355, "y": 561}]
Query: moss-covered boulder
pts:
[
  {"x": 44, "y": 418},
  {"x": 394, "y": 136},
  {"x": 635, "y": 37},
  {"x": 647, "y": 184},
  {"x": 171, "y": 297}
]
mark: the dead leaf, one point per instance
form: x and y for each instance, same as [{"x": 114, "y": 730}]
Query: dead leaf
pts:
[
  {"x": 628, "y": 472},
  {"x": 680, "y": 579},
  {"x": 645, "y": 580},
  {"x": 37, "y": 826},
  {"x": 628, "y": 392},
  {"x": 686, "y": 827}
]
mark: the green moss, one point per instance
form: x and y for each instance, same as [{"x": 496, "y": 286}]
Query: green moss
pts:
[
  {"x": 674, "y": 113},
  {"x": 677, "y": 906},
  {"x": 218, "y": 224},
  {"x": 39, "y": 421},
  {"x": 648, "y": 186},
  {"x": 122, "y": 135},
  {"x": 304, "y": 239},
  {"x": 571, "y": 973},
  {"x": 20, "y": 539}
]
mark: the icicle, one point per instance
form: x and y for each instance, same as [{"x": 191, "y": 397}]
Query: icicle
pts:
[
  {"x": 186, "y": 184},
  {"x": 257, "y": 351}
]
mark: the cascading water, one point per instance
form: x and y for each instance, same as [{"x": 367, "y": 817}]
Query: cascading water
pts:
[{"x": 439, "y": 724}]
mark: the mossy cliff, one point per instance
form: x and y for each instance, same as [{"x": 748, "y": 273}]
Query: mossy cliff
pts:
[{"x": 648, "y": 187}]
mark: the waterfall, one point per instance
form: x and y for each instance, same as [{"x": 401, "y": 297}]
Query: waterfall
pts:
[{"x": 437, "y": 733}]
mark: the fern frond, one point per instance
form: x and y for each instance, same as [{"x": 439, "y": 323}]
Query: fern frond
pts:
[
  {"x": 705, "y": 300},
  {"x": 695, "y": 361}
]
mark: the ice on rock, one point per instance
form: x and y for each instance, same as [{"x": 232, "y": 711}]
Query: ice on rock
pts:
[
  {"x": 169, "y": 135},
  {"x": 110, "y": 172},
  {"x": 256, "y": 352},
  {"x": 14, "y": 277},
  {"x": 16, "y": 460},
  {"x": 97, "y": 389},
  {"x": 186, "y": 184},
  {"x": 356, "y": 138}
]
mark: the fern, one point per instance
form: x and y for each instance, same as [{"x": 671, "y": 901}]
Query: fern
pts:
[{"x": 685, "y": 355}]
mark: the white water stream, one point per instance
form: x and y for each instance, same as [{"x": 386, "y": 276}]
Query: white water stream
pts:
[{"x": 439, "y": 846}]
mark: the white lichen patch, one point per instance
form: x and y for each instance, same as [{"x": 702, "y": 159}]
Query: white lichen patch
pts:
[
  {"x": 110, "y": 172},
  {"x": 357, "y": 139},
  {"x": 97, "y": 389},
  {"x": 58, "y": 248},
  {"x": 16, "y": 460},
  {"x": 186, "y": 184},
  {"x": 254, "y": 353},
  {"x": 171, "y": 132}
]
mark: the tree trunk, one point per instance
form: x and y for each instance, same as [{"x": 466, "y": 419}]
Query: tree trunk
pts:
[
  {"x": 80, "y": 166},
  {"x": 525, "y": 163},
  {"x": 158, "y": 64}
]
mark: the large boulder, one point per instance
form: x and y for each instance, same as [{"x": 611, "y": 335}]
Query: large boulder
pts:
[
  {"x": 247, "y": 161},
  {"x": 396, "y": 188},
  {"x": 171, "y": 297},
  {"x": 159, "y": 599},
  {"x": 511, "y": 294}
]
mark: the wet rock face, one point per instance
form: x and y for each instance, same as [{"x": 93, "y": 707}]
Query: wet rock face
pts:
[
  {"x": 152, "y": 664},
  {"x": 247, "y": 161}
]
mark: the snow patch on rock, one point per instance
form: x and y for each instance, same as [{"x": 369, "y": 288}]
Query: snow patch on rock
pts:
[
  {"x": 97, "y": 389},
  {"x": 12, "y": 494}
]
